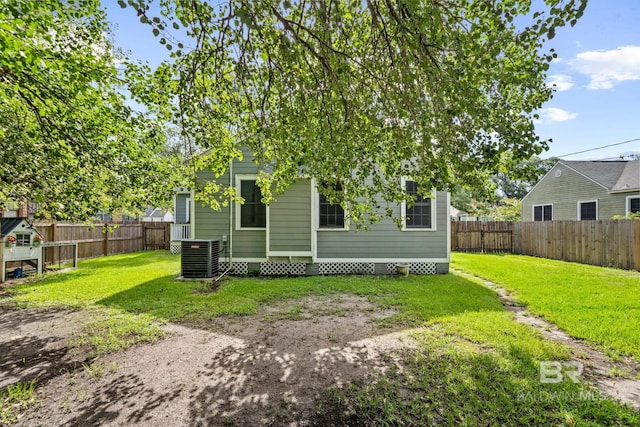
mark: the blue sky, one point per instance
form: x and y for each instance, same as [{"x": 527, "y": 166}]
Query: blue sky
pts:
[{"x": 597, "y": 77}]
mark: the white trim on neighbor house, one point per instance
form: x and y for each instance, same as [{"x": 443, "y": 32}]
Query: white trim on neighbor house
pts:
[
  {"x": 533, "y": 210},
  {"x": 579, "y": 210},
  {"x": 238, "y": 224},
  {"x": 403, "y": 211},
  {"x": 315, "y": 200},
  {"x": 627, "y": 206}
]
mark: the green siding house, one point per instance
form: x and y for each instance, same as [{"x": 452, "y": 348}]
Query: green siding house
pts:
[
  {"x": 585, "y": 190},
  {"x": 302, "y": 234}
]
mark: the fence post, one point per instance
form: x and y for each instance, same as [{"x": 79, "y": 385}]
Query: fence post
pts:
[
  {"x": 105, "y": 242},
  {"x": 636, "y": 245}
]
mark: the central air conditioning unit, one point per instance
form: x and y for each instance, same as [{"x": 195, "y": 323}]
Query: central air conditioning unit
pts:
[{"x": 199, "y": 258}]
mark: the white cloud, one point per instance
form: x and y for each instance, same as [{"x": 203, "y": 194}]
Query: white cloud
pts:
[
  {"x": 610, "y": 67},
  {"x": 556, "y": 115},
  {"x": 560, "y": 82}
]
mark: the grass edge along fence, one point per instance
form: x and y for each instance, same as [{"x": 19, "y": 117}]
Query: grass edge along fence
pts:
[
  {"x": 606, "y": 243},
  {"x": 103, "y": 239}
]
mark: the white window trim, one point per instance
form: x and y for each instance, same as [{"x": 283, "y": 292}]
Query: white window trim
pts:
[
  {"x": 316, "y": 205},
  {"x": 533, "y": 210},
  {"x": 579, "y": 211},
  {"x": 187, "y": 210},
  {"x": 403, "y": 211},
  {"x": 238, "y": 207},
  {"x": 628, "y": 203}
]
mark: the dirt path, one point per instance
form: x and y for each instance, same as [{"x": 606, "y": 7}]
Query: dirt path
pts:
[
  {"x": 267, "y": 369},
  {"x": 598, "y": 367}
]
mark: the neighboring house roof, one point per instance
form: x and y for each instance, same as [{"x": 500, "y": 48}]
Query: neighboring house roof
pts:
[
  {"x": 616, "y": 175},
  {"x": 456, "y": 212},
  {"x": 155, "y": 212},
  {"x": 630, "y": 177},
  {"x": 8, "y": 224},
  {"x": 158, "y": 213}
]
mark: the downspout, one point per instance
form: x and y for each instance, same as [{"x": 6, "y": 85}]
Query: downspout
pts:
[{"x": 230, "y": 235}]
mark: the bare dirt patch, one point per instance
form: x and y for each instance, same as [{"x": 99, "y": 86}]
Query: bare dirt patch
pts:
[{"x": 271, "y": 368}]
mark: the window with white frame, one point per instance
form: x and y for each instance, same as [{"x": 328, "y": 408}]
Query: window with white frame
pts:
[
  {"x": 420, "y": 215},
  {"x": 23, "y": 239},
  {"x": 633, "y": 204},
  {"x": 542, "y": 212},
  {"x": 588, "y": 211},
  {"x": 187, "y": 210},
  {"x": 330, "y": 215},
  {"x": 253, "y": 213}
]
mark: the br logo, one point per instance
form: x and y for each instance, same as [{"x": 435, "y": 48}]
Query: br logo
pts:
[{"x": 552, "y": 372}]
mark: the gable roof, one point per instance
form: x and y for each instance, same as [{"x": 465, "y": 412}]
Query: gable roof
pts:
[
  {"x": 630, "y": 177},
  {"x": 8, "y": 224},
  {"x": 155, "y": 212},
  {"x": 614, "y": 175}
]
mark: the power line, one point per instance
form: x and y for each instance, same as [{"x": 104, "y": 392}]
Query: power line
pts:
[{"x": 599, "y": 148}]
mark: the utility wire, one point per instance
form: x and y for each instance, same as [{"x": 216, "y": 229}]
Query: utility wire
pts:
[{"x": 599, "y": 148}]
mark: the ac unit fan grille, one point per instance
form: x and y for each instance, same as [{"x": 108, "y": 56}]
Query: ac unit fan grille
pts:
[{"x": 199, "y": 258}]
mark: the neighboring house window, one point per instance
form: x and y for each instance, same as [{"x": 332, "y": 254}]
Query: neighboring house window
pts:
[
  {"x": 23, "y": 240},
  {"x": 331, "y": 215},
  {"x": 633, "y": 204},
  {"x": 253, "y": 213},
  {"x": 588, "y": 210},
  {"x": 543, "y": 213},
  {"x": 420, "y": 214},
  {"x": 187, "y": 212}
]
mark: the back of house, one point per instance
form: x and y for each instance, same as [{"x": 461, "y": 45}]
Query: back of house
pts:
[{"x": 301, "y": 233}]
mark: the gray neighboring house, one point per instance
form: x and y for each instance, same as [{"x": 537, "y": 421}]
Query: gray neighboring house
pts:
[
  {"x": 301, "y": 233},
  {"x": 585, "y": 190},
  {"x": 152, "y": 214}
]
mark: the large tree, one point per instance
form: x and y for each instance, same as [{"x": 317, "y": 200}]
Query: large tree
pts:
[
  {"x": 358, "y": 92},
  {"x": 68, "y": 139}
]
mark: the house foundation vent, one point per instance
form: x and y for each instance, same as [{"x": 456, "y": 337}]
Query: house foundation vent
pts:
[
  {"x": 283, "y": 269},
  {"x": 239, "y": 268},
  {"x": 346, "y": 268}
]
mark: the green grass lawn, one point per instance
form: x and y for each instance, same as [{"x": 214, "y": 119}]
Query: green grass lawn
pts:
[
  {"x": 144, "y": 283},
  {"x": 600, "y": 305},
  {"x": 473, "y": 365}
]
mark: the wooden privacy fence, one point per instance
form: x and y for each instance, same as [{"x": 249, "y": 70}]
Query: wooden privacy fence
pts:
[
  {"x": 102, "y": 239},
  {"x": 482, "y": 236},
  {"x": 607, "y": 243}
]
